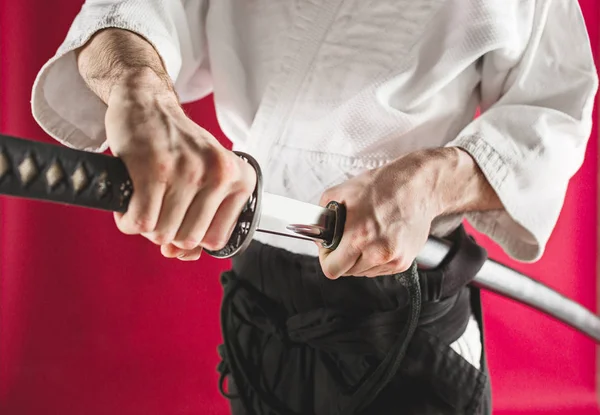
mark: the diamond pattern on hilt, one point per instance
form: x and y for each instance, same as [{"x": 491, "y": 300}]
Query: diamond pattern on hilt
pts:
[
  {"x": 55, "y": 174},
  {"x": 28, "y": 170},
  {"x": 4, "y": 164},
  {"x": 80, "y": 178},
  {"x": 125, "y": 189},
  {"x": 103, "y": 185}
]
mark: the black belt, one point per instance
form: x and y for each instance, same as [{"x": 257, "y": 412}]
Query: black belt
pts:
[
  {"x": 458, "y": 268},
  {"x": 340, "y": 330},
  {"x": 320, "y": 329}
]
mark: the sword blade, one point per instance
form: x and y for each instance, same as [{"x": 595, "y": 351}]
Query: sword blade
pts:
[{"x": 291, "y": 218}]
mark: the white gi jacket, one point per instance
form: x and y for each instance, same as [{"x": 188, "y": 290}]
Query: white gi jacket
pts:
[{"x": 321, "y": 90}]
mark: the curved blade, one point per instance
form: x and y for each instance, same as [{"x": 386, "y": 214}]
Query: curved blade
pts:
[{"x": 509, "y": 283}]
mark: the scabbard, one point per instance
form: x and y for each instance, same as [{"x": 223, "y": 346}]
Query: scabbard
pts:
[{"x": 55, "y": 173}]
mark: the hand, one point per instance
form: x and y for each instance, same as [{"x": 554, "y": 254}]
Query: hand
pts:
[
  {"x": 390, "y": 210},
  {"x": 188, "y": 189}
]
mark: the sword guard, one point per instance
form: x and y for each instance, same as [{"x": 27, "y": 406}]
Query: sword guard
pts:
[
  {"x": 247, "y": 222},
  {"x": 335, "y": 230}
]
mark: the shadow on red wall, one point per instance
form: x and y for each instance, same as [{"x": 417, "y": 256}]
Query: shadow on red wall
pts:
[{"x": 94, "y": 322}]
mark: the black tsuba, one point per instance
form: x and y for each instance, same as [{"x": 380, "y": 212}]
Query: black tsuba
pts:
[{"x": 248, "y": 220}]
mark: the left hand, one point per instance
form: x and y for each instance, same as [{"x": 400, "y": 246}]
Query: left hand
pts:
[{"x": 389, "y": 215}]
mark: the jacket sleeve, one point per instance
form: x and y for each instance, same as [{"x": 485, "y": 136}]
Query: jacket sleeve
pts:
[
  {"x": 536, "y": 118},
  {"x": 62, "y": 103}
]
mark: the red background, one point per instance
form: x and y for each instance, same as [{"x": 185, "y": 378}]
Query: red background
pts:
[{"x": 95, "y": 322}]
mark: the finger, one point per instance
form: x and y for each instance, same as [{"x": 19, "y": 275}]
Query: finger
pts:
[
  {"x": 393, "y": 267},
  {"x": 376, "y": 254},
  {"x": 198, "y": 217},
  {"x": 144, "y": 208},
  {"x": 386, "y": 269},
  {"x": 365, "y": 263},
  {"x": 171, "y": 251},
  {"x": 191, "y": 255},
  {"x": 337, "y": 262},
  {"x": 224, "y": 221},
  {"x": 174, "y": 207},
  {"x": 328, "y": 196}
]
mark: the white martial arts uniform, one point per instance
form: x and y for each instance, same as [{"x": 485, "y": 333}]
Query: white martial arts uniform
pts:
[{"x": 320, "y": 90}]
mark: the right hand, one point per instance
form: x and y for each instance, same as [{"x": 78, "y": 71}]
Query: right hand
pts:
[{"x": 188, "y": 189}]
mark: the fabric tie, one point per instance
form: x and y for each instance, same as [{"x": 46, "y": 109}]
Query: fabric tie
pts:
[{"x": 382, "y": 334}]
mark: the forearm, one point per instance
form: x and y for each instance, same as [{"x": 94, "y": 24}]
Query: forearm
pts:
[
  {"x": 464, "y": 187},
  {"x": 115, "y": 58},
  {"x": 451, "y": 178}
]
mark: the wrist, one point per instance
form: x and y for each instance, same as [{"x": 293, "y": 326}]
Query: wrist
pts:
[
  {"x": 119, "y": 59},
  {"x": 140, "y": 86},
  {"x": 456, "y": 170},
  {"x": 448, "y": 180},
  {"x": 462, "y": 186}
]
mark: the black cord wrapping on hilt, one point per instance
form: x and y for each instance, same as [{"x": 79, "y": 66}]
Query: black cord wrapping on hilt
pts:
[
  {"x": 338, "y": 334},
  {"x": 54, "y": 173}
]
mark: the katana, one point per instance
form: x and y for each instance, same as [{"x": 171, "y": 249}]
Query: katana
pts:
[{"x": 54, "y": 173}]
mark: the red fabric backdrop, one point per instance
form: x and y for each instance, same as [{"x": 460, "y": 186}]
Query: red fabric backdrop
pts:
[{"x": 94, "y": 322}]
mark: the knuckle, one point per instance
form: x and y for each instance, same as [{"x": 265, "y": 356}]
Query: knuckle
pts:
[
  {"x": 364, "y": 232},
  {"x": 328, "y": 196},
  {"x": 368, "y": 231},
  {"x": 361, "y": 235},
  {"x": 385, "y": 253},
  {"x": 222, "y": 167},
  {"x": 246, "y": 188},
  {"x": 189, "y": 257},
  {"x": 356, "y": 248},
  {"x": 247, "y": 181},
  {"x": 142, "y": 224},
  {"x": 122, "y": 226},
  {"x": 192, "y": 172},
  {"x": 180, "y": 245},
  {"x": 328, "y": 272},
  {"x": 132, "y": 225},
  {"x": 395, "y": 264},
  {"x": 325, "y": 267},
  {"x": 224, "y": 170},
  {"x": 185, "y": 241},
  {"x": 162, "y": 168},
  {"x": 214, "y": 243},
  {"x": 400, "y": 264},
  {"x": 161, "y": 238},
  {"x": 215, "y": 239}
]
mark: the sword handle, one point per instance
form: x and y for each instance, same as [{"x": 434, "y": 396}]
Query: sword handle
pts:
[{"x": 55, "y": 173}]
